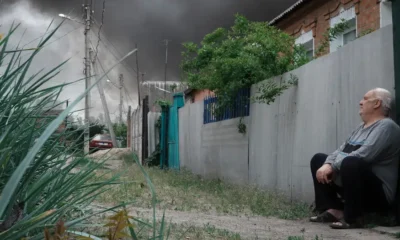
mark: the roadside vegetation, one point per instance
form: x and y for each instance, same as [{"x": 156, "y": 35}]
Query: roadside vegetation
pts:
[
  {"x": 42, "y": 195},
  {"x": 184, "y": 191}
]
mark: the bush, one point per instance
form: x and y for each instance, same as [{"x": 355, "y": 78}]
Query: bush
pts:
[{"x": 228, "y": 60}]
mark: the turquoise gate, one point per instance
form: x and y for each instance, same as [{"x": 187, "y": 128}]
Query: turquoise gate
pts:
[
  {"x": 170, "y": 134},
  {"x": 173, "y": 132}
]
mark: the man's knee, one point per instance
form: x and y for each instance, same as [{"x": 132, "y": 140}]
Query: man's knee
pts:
[{"x": 318, "y": 160}]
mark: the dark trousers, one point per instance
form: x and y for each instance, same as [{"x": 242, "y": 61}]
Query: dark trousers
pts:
[{"x": 361, "y": 190}]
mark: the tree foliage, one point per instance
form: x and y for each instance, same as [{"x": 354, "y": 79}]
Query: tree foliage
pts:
[
  {"x": 121, "y": 132},
  {"x": 76, "y": 137},
  {"x": 331, "y": 34},
  {"x": 228, "y": 60}
]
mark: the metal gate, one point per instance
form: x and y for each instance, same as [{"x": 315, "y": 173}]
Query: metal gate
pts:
[{"x": 173, "y": 132}]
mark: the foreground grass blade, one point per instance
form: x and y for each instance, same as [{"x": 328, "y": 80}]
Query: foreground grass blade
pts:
[
  {"x": 86, "y": 235},
  {"x": 13, "y": 182},
  {"x": 153, "y": 192}
]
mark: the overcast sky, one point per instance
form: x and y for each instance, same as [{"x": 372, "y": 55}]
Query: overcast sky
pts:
[{"x": 127, "y": 22}]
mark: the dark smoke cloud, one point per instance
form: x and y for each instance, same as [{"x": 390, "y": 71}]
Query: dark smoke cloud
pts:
[{"x": 148, "y": 22}]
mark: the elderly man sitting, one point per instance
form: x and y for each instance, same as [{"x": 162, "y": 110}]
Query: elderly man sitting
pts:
[{"x": 363, "y": 171}]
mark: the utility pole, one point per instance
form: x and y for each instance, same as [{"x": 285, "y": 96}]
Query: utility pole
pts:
[
  {"x": 166, "y": 41},
  {"x": 121, "y": 97},
  {"x": 142, "y": 81},
  {"x": 137, "y": 76},
  {"x": 88, "y": 19},
  {"x": 104, "y": 103}
]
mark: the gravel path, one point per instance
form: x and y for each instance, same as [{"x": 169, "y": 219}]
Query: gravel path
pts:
[{"x": 261, "y": 227}]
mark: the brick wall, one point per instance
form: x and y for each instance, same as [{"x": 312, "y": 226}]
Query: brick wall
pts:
[
  {"x": 198, "y": 95},
  {"x": 316, "y": 16}
]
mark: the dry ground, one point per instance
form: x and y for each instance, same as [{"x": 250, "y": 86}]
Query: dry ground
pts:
[{"x": 210, "y": 209}]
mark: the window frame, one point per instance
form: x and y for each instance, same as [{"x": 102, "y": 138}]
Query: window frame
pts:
[
  {"x": 348, "y": 15},
  {"x": 306, "y": 37},
  {"x": 350, "y": 30}
]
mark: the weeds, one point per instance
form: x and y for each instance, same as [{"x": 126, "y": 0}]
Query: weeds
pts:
[
  {"x": 128, "y": 159},
  {"x": 37, "y": 182},
  {"x": 207, "y": 232},
  {"x": 183, "y": 191},
  {"x": 296, "y": 238}
]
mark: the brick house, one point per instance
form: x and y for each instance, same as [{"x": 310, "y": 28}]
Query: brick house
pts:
[
  {"x": 308, "y": 20},
  {"x": 194, "y": 95}
]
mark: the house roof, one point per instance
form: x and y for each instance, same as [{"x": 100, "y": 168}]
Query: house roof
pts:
[
  {"x": 295, "y": 6},
  {"x": 289, "y": 10},
  {"x": 188, "y": 91}
]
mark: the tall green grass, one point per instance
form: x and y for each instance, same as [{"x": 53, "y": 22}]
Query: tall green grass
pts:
[{"x": 37, "y": 182}]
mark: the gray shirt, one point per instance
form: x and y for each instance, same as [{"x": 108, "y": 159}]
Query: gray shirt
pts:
[{"x": 379, "y": 145}]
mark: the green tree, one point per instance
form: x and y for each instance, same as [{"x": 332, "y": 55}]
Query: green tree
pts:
[
  {"x": 121, "y": 131},
  {"x": 228, "y": 60}
]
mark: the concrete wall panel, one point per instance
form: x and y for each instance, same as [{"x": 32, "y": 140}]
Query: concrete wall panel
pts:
[
  {"x": 315, "y": 116},
  {"x": 315, "y": 125},
  {"x": 285, "y": 144},
  {"x": 184, "y": 143},
  {"x": 263, "y": 143},
  {"x": 362, "y": 68},
  {"x": 225, "y": 151}
]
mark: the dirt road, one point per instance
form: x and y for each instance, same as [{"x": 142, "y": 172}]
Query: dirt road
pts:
[{"x": 263, "y": 228}]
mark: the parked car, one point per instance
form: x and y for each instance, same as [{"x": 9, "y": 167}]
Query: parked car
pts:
[{"x": 101, "y": 141}]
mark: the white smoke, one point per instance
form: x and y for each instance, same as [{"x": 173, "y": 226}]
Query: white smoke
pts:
[{"x": 67, "y": 43}]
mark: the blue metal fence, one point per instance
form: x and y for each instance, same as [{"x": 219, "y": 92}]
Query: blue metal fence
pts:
[{"x": 240, "y": 107}]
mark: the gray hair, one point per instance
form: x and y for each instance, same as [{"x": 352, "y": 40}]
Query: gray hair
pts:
[{"x": 386, "y": 99}]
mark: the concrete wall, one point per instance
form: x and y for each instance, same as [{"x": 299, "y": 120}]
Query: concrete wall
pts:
[
  {"x": 215, "y": 150},
  {"x": 315, "y": 116},
  {"x": 190, "y": 126},
  {"x": 318, "y": 114},
  {"x": 137, "y": 118}
]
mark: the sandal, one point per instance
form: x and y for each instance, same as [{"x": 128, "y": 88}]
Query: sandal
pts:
[
  {"x": 324, "y": 217},
  {"x": 341, "y": 224}
]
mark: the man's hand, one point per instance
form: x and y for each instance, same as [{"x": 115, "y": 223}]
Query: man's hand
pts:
[{"x": 325, "y": 174}]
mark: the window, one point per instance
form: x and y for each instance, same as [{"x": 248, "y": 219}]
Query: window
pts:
[
  {"x": 102, "y": 137},
  {"x": 350, "y": 34},
  {"x": 309, "y": 48},
  {"x": 307, "y": 41},
  {"x": 386, "y": 13}
]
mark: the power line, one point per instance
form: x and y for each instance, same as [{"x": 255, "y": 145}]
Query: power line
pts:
[
  {"x": 138, "y": 77},
  {"x": 107, "y": 76},
  {"x": 116, "y": 57},
  {"x": 46, "y": 45},
  {"x": 127, "y": 93},
  {"x": 101, "y": 65},
  {"x": 113, "y": 84},
  {"x": 102, "y": 68},
  {"x": 115, "y": 49},
  {"x": 62, "y": 36}
]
